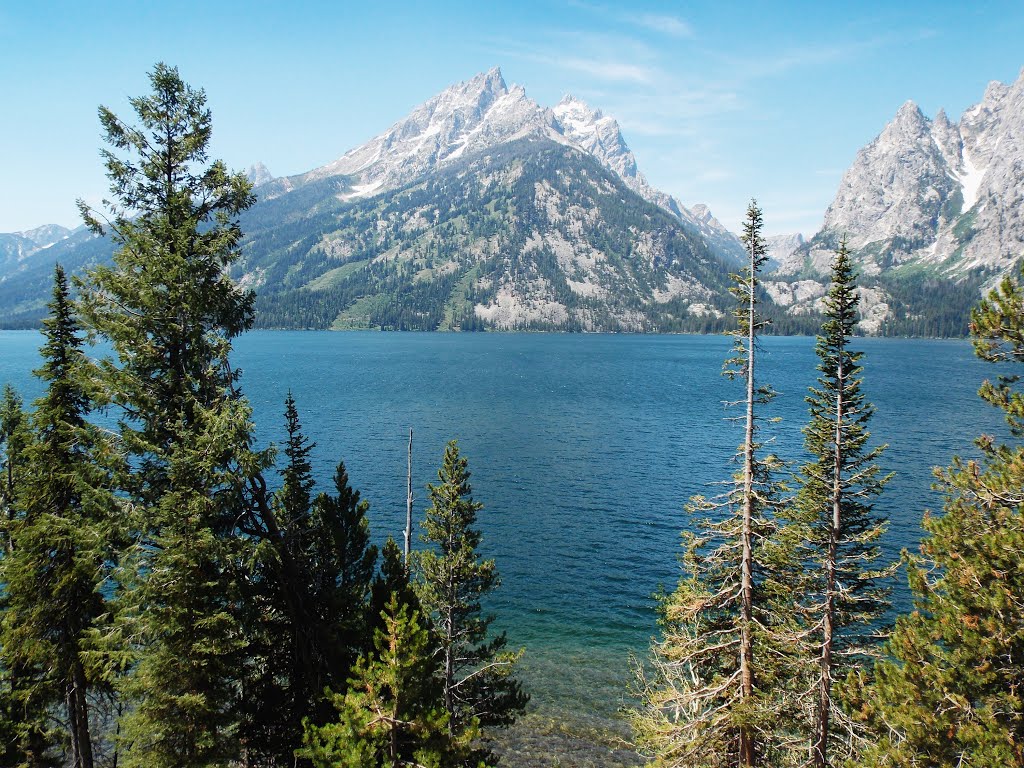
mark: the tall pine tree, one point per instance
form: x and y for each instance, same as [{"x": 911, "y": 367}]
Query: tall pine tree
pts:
[
  {"x": 309, "y": 621},
  {"x": 27, "y": 731},
  {"x": 61, "y": 541},
  {"x": 844, "y": 596},
  {"x": 950, "y": 689},
  {"x": 710, "y": 696},
  {"x": 170, "y": 311}
]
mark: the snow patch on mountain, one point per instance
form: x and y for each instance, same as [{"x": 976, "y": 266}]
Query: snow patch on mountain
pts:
[{"x": 479, "y": 114}]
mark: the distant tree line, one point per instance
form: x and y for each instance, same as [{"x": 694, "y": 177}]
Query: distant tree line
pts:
[{"x": 170, "y": 595}]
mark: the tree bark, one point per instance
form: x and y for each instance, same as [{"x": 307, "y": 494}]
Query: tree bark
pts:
[
  {"x": 78, "y": 715},
  {"x": 408, "y": 504},
  {"x": 746, "y": 735},
  {"x": 822, "y": 716}
]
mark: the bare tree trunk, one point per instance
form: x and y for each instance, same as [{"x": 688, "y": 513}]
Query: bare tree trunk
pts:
[
  {"x": 78, "y": 715},
  {"x": 746, "y": 735},
  {"x": 408, "y": 504},
  {"x": 449, "y": 672}
]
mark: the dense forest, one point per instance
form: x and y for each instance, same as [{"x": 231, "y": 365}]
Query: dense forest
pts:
[{"x": 173, "y": 595}]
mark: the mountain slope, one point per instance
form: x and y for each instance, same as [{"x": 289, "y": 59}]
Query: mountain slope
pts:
[
  {"x": 532, "y": 234},
  {"x": 479, "y": 209},
  {"x": 933, "y": 211},
  {"x": 473, "y": 116}
]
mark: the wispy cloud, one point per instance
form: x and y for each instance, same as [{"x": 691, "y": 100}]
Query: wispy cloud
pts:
[
  {"x": 811, "y": 55},
  {"x": 669, "y": 25},
  {"x": 663, "y": 23},
  {"x": 605, "y": 70},
  {"x": 570, "y": 55}
]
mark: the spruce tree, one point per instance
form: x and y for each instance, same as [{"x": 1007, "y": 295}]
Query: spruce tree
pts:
[
  {"x": 476, "y": 672},
  {"x": 310, "y": 621},
  {"x": 60, "y": 543},
  {"x": 715, "y": 691},
  {"x": 843, "y": 598},
  {"x": 169, "y": 310},
  {"x": 27, "y": 730},
  {"x": 949, "y": 690}
]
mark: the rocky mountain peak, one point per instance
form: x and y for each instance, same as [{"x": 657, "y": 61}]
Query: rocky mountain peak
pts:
[
  {"x": 46, "y": 235},
  {"x": 258, "y": 174},
  {"x": 599, "y": 135},
  {"x": 938, "y": 197},
  {"x": 896, "y": 185},
  {"x": 476, "y": 116}
]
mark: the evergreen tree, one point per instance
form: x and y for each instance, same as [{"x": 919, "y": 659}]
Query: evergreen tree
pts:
[
  {"x": 27, "y": 731},
  {"x": 393, "y": 714},
  {"x": 476, "y": 672},
  {"x": 393, "y": 579},
  {"x": 843, "y": 598},
  {"x": 169, "y": 310},
  {"x": 716, "y": 691},
  {"x": 60, "y": 543},
  {"x": 310, "y": 603},
  {"x": 948, "y": 691},
  {"x": 13, "y": 440},
  {"x": 344, "y": 560}
]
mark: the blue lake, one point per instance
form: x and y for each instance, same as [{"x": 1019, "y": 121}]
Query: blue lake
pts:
[{"x": 584, "y": 450}]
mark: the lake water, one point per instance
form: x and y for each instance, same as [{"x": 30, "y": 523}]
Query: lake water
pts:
[{"x": 584, "y": 450}]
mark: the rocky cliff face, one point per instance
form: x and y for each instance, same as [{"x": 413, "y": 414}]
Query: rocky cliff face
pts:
[
  {"x": 482, "y": 113},
  {"x": 928, "y": 197}
]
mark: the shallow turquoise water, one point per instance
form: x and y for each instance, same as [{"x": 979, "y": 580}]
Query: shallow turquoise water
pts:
[{"x": 584, "y": 449}]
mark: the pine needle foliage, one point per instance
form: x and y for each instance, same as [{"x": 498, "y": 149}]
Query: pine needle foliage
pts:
[
  {"x": 844, "y": 595},
  {"x": 61, "y": 537},
  {"x": 393, "y": 714},
  {"x": 169, "y": 311},
  {"x": 476, "y": 671},
  {"x": 715, "y": 690},
  {"x": 14, "y": 437},
  {"x": 309, "y": 622},
  {"x": 949, "y": 690}
]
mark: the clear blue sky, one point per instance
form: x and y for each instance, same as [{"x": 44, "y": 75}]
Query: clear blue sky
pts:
[{"x": 720, "y": 101}]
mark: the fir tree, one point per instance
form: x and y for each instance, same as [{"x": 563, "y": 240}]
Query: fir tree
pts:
[
  {"x": 310, "y": 598},
  {"x": 716, "y": 691},
  {"x": 393, "y": 579},
  {"x": 843, "y": 599},
  {"x": 476, "y": 672},
  {"x": 393, "y": 714},
  {"x": 61, "y": 541},
  {"x": 169, "y": 310},
  {"x": 27, "y": 731},
  {"x": 950, "y": 688}
]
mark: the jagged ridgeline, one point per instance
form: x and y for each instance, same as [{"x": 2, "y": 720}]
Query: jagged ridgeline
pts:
[
  {"x": 480, "y": 209},
  {"x": 531, "y": 235},
  {"x": 933, "y": 212}
]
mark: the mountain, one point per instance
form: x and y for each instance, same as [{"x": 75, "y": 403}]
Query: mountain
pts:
[
  {"x": 932, "y": 211},
  {"x": 531, "y": 234},
  {"x": 483, "y": 209},
  {"x": 782, "y": 247},
  {"x": 478, "y": 114},
  {"x": 17, "y": 248},
  {"x": 480, "y": 209}
]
